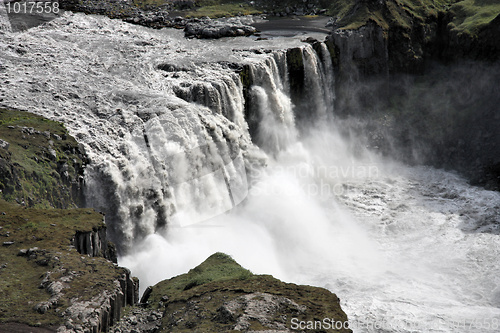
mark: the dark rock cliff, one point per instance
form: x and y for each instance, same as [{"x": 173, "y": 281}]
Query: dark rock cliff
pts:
[
  {"x": 421, "y": 79},
  {"x": 389, "y": 36},
  {"x": 95, "y": 244}
]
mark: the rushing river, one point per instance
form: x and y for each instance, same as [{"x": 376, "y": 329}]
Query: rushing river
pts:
[{"x": 407, "y": 249}]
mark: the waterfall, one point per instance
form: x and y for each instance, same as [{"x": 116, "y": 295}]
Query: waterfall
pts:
[
  {"x": 223, "y": 97},
  {"x": 271, "y": 110},
  {"x": 180, "y": 165},
  {"x": 319, "y": 82},
  {"x": 205, "y": 146}
]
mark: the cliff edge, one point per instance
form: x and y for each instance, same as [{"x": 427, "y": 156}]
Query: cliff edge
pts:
[
  {"x": 57, "y": 270},
  {"x": 221, "y": 296},
  {"x": 420, "y": 77},
  {"x": 403, "y": 36}
]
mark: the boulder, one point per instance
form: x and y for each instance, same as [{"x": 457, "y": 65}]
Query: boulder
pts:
[{"x": 213, "y": 29}]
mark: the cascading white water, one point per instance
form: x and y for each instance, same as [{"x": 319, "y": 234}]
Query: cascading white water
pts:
[
  {"x": 271, "y": 106},
  {"x": 399, "y": 245},
  {"x": 319, "y": 82},
  {"x": 223, "y": 97}
]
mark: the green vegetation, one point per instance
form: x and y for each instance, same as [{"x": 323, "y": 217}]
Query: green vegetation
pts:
[
  {"x": 42, "y": 165},
  {"x": 221, "y": 8},
  {"x": 354, "y": 14},
  {"x": 51, "y": 232},
  {"x": 472, "y": 15},
  {"x": 469, "y": 15},
  {"x": 193, "y": 301},
  {"x": 148, "y": 4},
  {"x": 46, "y": 228},
  {"x": 40, "y": 168},
  {"x": 200, "y": 8},
  {"x": 218, "y": 267}
]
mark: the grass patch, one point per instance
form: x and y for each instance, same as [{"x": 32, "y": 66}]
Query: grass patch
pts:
[
  {"x": 42, "y": 165},
  {"x": 45, "y": 228},
  {"x": 217, "y": 9},
  {"x": 195, "y": 298},
  {"x": 469, "y": 15},
  {"x": 218, "y": 267},
  {"x": 51, "y": 231},
  {"x": 472, "y": 15},
  {"x": 150, "y": 4},
  {"x": 400, "y": 13}
]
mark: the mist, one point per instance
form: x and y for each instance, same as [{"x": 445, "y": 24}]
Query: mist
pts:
[{"x": 446, "y": 117}]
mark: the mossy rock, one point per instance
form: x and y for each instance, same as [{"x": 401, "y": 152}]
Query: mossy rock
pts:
[
  {"x": 36, "y": 248},
  {"x": 221, "y": 296},
  {"x": 419, "y": 30},
  {"x": 41, "y": 165}
]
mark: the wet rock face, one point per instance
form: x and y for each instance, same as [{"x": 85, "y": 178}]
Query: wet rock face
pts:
[
  {"x": 363, "y": 51},
  {"x": 95, "y": 244}
]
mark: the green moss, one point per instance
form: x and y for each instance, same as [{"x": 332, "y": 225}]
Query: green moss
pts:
[
  {"x": 401, "y": 13},
  {"x": 218, "y": 267},
  {"x": 148, "y": 4},
  {"x": 43, "y": 163},
  {"x": 51, "y": 231},
  {"x": 471, "y": 15},
  {"x": 215, "y": 9},
  {"x": 21, "y": 222},
  {"x": 192, "y": 301},
  {"x": 468, "y": 15},
  {"x": 18, "y": 285}
]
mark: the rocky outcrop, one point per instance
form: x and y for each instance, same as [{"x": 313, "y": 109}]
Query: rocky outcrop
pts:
[
  {"x": 102, "y": 311},
  {"x": 213, "y": 29},
  {"x": 158, "y": 17},
  {"x": 221, "y": 296},
  {"x": 152, "y": 16},
  {"x": 57, "y": 271},
  {"x": 139, "y": 320},
  {"x": 95, "y": 244},
  {"x": 47, "y": 169}
]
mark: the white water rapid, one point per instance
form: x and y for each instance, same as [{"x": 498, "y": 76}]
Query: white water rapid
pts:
[{"x": 164, "y": 122}]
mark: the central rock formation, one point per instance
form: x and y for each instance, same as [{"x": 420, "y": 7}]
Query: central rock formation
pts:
[{"x": 221, "y": 296}]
